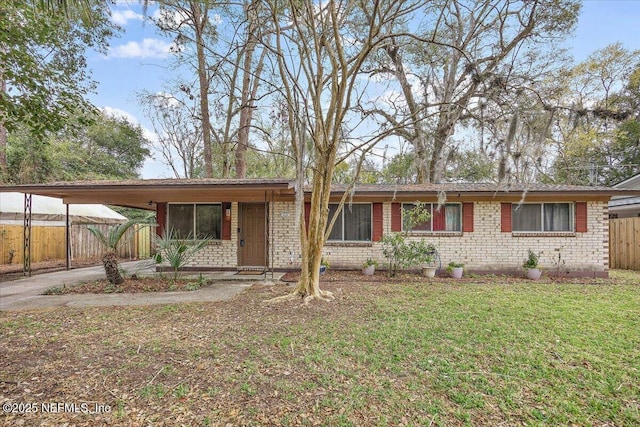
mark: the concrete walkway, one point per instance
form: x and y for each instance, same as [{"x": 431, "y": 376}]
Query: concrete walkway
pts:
[{"x": 27, "y": 293}]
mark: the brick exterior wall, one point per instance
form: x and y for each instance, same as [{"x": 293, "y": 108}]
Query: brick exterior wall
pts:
[{"x": 487, "y": 248}]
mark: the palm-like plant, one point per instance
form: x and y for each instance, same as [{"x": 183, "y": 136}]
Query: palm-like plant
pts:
[{"x": 111, "y": 241}]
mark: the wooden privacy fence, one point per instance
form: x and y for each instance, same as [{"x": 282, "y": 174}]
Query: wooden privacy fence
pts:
[
  {"x": 48, "y": 243},
  {"x": 624, "y": 243}
]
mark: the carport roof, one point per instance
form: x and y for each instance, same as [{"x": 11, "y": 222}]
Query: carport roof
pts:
[{"x": 145, "y": 193}]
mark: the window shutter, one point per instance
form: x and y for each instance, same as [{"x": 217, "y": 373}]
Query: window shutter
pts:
[
  {"x": 396, "y": 217},
  {"x": 581, "y": 217},
  {"x": 161, "y": 218},
  {"x": 226, "y": 222},
  {"x": 505, "y": 217},
  {"x": 377, "y": 222},
  {"x": 467, "y": 217},
  {"x": 307, "y": 214},
  {"x": 439, "y": 221}
]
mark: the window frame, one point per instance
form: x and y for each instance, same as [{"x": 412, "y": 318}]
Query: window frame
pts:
[
  {"x": 194, "y": 219},
  {"x": 432, "y": 231},
  {"x": 572, "y": 217},
  {"x": 342, "y": 213}
]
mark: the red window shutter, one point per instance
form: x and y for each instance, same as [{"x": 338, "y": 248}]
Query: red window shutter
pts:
[
  {"x": 396, "y": 217},
  {"x": 439, "y": 219},
  {"x": 161, "y": 218},
  {"x": 226, "y": 222},
  {"x": 581, "y": 217},
  {"x": 307, "y": 214},
  {"x": 467, "y": 217},
  {"x": 377, "y": 222},
  {"x": 505, "y": 217}
]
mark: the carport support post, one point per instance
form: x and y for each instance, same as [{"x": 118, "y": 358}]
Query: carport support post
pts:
[
  {"x": 68, "y": 238},
  {"x": 26, "y": 242}
]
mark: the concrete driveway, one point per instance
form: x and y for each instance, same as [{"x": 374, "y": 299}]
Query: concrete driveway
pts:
[{"x": 27, "y": 293}]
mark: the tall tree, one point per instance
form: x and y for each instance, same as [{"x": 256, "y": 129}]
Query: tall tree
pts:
[
  {"x": 221, "y": 40},
  {"x": 463, "y": 50},
  {"x": 177, "y": 126},
  {"x": 109, "y": 148},
  {"x": 43, "y": 74},
  {"x": 331, "y": 41},
  {"x": 593, "y": 116}
]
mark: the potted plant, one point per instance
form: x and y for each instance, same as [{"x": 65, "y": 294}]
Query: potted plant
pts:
[
  {"x": 531, "y": 264},
  {"x": 455, "y": 269},
  {"x": 428, "y": 253},
  {"x": 324, "y": 266},
  {"x": 369, "y": 267}
]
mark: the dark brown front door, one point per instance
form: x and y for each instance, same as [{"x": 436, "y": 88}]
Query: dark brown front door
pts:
[{"x": 252, "y": 236}]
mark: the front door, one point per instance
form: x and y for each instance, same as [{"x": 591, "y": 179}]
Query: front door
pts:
[{"x": 252, "y": 236}]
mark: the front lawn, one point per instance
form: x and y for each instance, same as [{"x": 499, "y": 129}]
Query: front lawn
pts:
[{"x": 445, "y": 353}]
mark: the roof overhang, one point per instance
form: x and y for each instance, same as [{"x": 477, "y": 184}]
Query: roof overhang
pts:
[
  {"x": 145, "y": 194},
  {"x": 453, "y": 192}
]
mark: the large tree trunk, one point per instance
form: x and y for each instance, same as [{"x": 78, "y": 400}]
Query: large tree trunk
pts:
[
  {"x": 3, "y": 135},
  {"x": 110, "y": 262},
  {"x": 200, "y": 22}
]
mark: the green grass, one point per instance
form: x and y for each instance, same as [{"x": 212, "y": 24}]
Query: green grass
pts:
[{"x": 439, "y": 354}]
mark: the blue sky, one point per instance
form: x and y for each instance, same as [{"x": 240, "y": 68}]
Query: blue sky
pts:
[{"x": 138, "y": 59}]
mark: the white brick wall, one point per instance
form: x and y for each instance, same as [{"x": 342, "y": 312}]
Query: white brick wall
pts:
[{"x": 486, "y": 248}]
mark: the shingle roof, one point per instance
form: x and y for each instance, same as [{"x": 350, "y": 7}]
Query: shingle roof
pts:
[{"x": 475, "y": 188}]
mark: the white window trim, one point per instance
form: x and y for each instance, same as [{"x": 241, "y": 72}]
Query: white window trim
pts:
[
  {"x": 195, "y": 216},
  {"x": 457, "y": 232},
  {"x": 346, "y": 206},
  {"x": 572, "y": 218}
]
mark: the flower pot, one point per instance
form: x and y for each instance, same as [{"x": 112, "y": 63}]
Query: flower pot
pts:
[
  {"x": 323, "y": 269},
  {"x": 429, "y": 272},
  {"x": 533, "y": 273},
  {"x": 369, "y": 270},
  {"x": 456, "y": 273}
]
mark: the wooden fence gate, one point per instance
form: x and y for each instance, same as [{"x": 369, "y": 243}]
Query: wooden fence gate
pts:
[{"x": 624, "y": 243}]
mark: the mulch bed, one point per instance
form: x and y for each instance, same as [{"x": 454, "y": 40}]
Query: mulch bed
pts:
[{"x": 130, "y": 285}]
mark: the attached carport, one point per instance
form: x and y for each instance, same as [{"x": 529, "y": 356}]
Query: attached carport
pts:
[{"x": 150, "y": 193}]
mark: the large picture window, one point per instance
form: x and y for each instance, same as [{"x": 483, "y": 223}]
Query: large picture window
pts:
[
  {"x": 447, "y": 218},
  {"x": 544, "y": 217},
  {"x": 352, "y": 224},
  {"x": 195, "y": 221}
]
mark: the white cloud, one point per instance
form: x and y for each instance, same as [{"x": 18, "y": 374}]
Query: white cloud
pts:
[
  {"x": 117, "y": 113},
  {"x": 148, "y": 48},
  {"x": 122, "y": 17}
]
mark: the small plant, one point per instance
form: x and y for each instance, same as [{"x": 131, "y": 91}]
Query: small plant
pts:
[
  {"x": 370, "y": 262},
  {"x": 111, "y": 241},
  {"x": 532, "y": 260},
  {"x": 325, "y": 263},
  {"x": 56, "y": 290},
  {"x": 176, "y": 251},
  {"x": 194, "y": 286},
  {"x": 453, "y": 265}
]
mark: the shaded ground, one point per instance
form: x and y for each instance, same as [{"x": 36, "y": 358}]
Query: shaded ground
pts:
[
  {"x": 476, "y": 352},
  {"x": 14, "y": 271}
]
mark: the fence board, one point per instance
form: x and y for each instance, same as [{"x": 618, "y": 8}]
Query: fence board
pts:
[
  {"x": 48, "y": 243},
  {"x": 624, "y": 243}
]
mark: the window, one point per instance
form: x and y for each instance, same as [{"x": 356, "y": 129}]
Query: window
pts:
[
  {"x": 352, "y": 224},
  {"x": 544, "y": 217},
  {"x": 195, "y": 221},
  {"x": 446, "y": 218}
]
